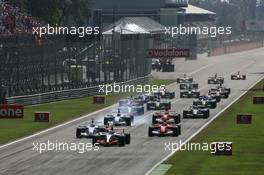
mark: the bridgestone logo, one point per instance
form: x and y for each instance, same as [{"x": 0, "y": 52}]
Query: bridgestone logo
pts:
[
  {"x": 11, "y": 111},
  {"x": 168, "y": 53}
]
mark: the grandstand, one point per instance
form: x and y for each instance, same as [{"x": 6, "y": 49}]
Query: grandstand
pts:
[{"x": 14, "y": 21}]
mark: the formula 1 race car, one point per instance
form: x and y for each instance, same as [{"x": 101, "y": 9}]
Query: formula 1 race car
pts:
[
  {"x": 132, "y": 107},
  {"x": 238, "y": 76},
  {"x": 112, "y": 137},
  {"x": 143, "y": 98},
  {"x": 186, "y": 86},
  {"x": 130, "y": 102},
  {"x": 165, "y": 94},
  {"x": 156, "y": 64},
  {"x": 168, "y": 67},
  {"x": 164, "y": 129},
  {"x": 190, "y": 93},
  {"x": 195, "y": 112},
  {"x": 216, "y": 80},
  {"x": 133, "y": 110},
  {"x": 87, "y": 130},
  {"x": 158, "y": 104},
  {"x": 119, "y": 119},
  {"x": 215, "y": 95},
  {"x": 167, "y": 116},
  {"x": 221, "y": 91},
  {"x": 185, "y": 79},
  {"x": 205, "y": 102}
]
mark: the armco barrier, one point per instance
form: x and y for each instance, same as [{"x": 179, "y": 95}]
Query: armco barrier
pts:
[
  {"x": 65, "y": 94},
  {"x": 234, "y": 47}
]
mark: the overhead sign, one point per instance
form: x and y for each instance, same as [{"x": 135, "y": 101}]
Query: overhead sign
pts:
[
  {"x": 11, "y": 111},
  {"x": 244, "y": 119},
  {"x": 168, "y": 53},
  {"x": 42, "y": 116}
]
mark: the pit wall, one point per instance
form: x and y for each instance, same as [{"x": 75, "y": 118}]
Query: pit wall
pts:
[{"x": 234, "y": 47}]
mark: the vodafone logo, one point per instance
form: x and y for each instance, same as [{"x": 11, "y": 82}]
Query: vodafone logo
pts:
[
  {"x": 168, "y": 53},
  {"x": 11, "y": 111}
]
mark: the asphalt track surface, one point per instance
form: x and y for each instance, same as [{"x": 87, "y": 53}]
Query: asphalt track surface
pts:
[{"x": 143, "y": 152}]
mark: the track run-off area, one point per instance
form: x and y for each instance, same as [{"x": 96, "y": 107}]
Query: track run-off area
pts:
[{"x": 144, "y": 152}]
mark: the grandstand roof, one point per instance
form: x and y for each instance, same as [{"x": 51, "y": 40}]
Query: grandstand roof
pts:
[
  {"x": 196, "y": 10},
  {"x": 135, "y": 25}
]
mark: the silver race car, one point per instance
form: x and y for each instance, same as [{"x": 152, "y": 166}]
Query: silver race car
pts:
[
  {"x": 119, "y": 119},
  {"x": 196, "y": 112},
  {"x": 88, "y": 129},
  {"x": 185, "y": 79},
  {"x": 216, "y": 80}
]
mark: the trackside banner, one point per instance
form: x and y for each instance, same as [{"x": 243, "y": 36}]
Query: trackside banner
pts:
[
  {"x": 11, "y": 111},
  {"x": 168, "y": 53}
]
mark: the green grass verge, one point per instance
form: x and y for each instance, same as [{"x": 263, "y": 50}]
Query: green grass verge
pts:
[
  {"x": 248, "y": 152},
  {"x": 62, "y": 111}
]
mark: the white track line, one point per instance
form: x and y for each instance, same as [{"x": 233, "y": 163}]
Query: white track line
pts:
[{"x": 205, "y": 125}]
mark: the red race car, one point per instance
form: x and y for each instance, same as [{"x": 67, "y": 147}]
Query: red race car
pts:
[
  {"x": 166, "y": 116},
  {"x": 164, "y": 129}
]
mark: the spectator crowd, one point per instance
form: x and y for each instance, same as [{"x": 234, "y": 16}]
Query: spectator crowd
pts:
[{"x": 14, "y": 21}]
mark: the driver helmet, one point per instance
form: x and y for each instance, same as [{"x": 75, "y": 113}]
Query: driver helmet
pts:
[
  {"x": 92, "y": 123},
  {"x": 164, "y": 124},
  {"x": 118, "y": 112}
]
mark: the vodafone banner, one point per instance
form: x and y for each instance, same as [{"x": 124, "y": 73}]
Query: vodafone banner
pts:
[
  {"x": 168, "y": 53},
  {"x": 11, "y": 111}
]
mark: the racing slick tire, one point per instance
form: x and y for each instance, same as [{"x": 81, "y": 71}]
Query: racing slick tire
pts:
[
  {"x": 175, "y": 131},
  {"x": 206, "y": 114},
  {"x": 214, "y": 104},
  {"x": 197, "y": 95},
  {"x": 184, "y": 114},
  {"x": 177, "y": 119},
  {"x": 128, "y": 121},
  {"x": 243, "y": 77},
  {"x": 94, "y": 138},
  {"x": 121, "y": 141},
  {"x": 179, "y": 129},
  {"x": 168, "y": 106},
  {"x": 150, "y": 132},
  {"x": 148, "y": 108},
  {"x": 127, "y": 138},
  {"x": 181, "y": 95},
  {"x": 154, "y": 118},
  {"x": 78, "y": 133}
]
